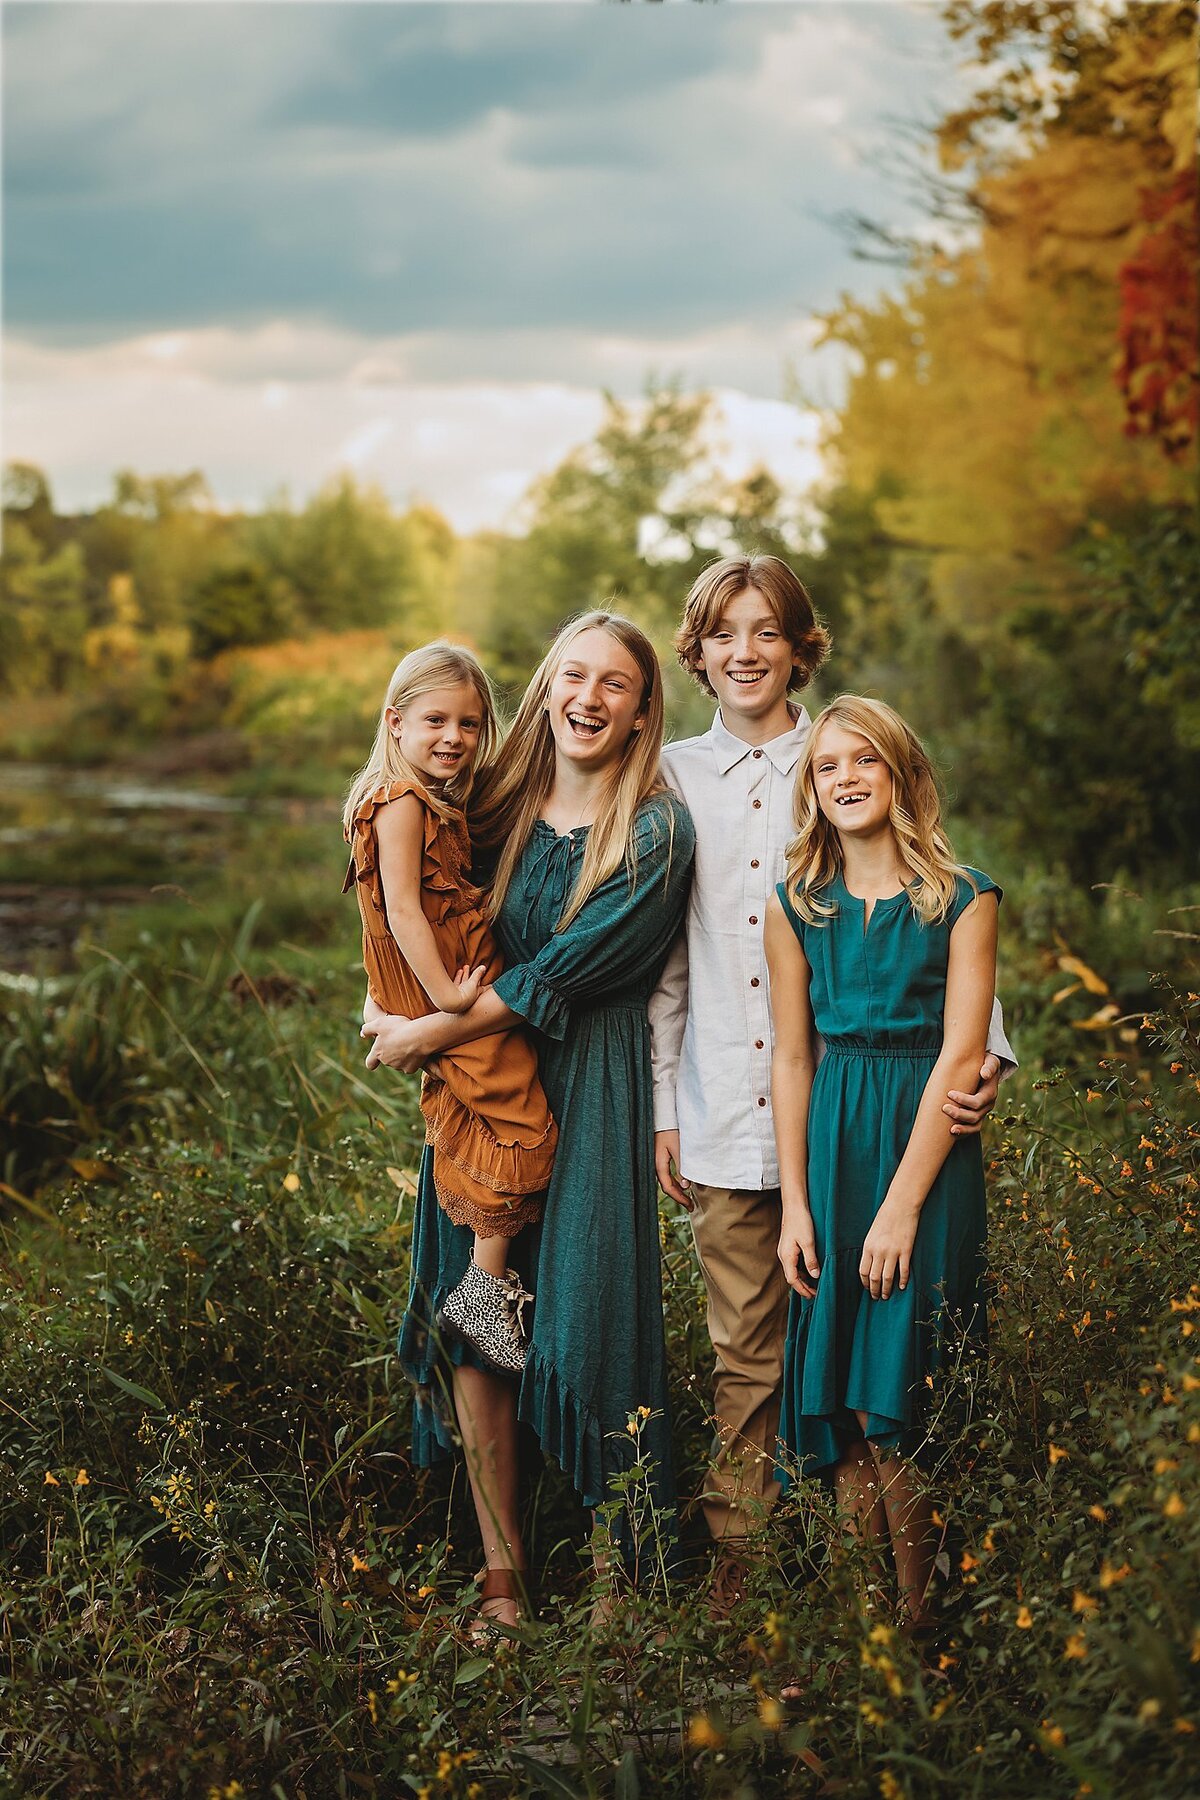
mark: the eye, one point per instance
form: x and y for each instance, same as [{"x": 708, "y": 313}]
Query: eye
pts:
[{"x": 469, "y": 725}]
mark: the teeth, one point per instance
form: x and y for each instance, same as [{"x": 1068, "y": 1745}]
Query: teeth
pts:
[{"x": 587, "y": 724}]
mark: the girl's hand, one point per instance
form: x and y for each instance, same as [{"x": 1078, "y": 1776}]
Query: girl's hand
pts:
[
  {"x": 798, "y": 1251},
  {"x": 398, "y": 1043},
  {"x": 468, "y": 984},
  {"x": 887, "y": 1251}
]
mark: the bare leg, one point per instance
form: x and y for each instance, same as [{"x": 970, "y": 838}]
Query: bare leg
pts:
[
  {"x": 858, "y": 1486},
  {"x": 913, "y": 1533},
  {"x": 487, "y": 1421},
  {"x": 491, "y": 1254}
]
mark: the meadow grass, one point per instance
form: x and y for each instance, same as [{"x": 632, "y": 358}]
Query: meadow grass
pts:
[{"x": 223, "y": 1576}]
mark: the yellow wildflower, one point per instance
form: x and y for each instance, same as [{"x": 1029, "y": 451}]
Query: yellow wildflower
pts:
[
  {"x": 81, "y": 1480},
  {"x": 1024, "y": 1619},
  {"x": 703, "y": 1734},
  {"x": 1084, "y": 1603},
  {"x": 291, "y": 1182},
  {"x": 1173, "y": 1507},
  {"x": 770, "y": 1712},
  {"x": 1075, "y": 1648},
  {"x": 49, "y": 1480}
]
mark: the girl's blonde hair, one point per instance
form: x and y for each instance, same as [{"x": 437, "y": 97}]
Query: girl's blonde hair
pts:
[
  {"x": 511, "y": 798},
  {"x": 814, "y": 856},
  {"x": 436, "y": 665}
]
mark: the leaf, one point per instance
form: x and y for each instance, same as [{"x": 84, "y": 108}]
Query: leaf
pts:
[
  {"x": 471, "y": 1671},
  {"x": 628, "y": 1784},
  {"x": 373, "y": 1316},
  {"x": 1064, "y": 993},
  {"x": 30, "y": 1206},
  {"x": 1071, "y": 965},
  {"x": 547, "y": 1777},
  {"x": 89, "y": 1169},
  {"x": 1099, "y": 1021},
  {"x": 131, "y": 1387},
  {"x": 404, "y": 1180}
]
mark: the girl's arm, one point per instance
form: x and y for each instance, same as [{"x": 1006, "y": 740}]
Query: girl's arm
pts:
[
  {"x": 400, "y": 831},
  {"x": 793, "y": 1066},
  {"x": 970, "y": 985},
  {"x": 408, "y": 1044}
]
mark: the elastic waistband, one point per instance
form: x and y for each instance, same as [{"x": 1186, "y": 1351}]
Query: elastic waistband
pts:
[{"x": 909, "y": 1052}]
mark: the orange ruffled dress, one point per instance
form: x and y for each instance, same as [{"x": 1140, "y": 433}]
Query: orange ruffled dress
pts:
[{"x": 486, "y": 1115}]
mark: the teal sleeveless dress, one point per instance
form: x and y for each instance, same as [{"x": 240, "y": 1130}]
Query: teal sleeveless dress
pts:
[
  {"x": 597, "y": 1352},
  {"x": 877, "y": 992}
]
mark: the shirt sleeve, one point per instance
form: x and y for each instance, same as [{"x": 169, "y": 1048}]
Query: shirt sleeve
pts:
[
  {"x": 668, "y": 1021},
  {"x": 621, "y": 935}
]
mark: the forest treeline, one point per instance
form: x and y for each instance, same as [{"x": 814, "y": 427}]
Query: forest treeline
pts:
[{"x": 1006, "y": 545}]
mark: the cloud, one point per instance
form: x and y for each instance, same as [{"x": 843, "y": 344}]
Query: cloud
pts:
[
  {"x": 404, "y": 168},
  {"x": 211, "y": 401}
]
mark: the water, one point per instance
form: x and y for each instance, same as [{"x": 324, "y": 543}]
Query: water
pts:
[{"x": 77, "y": 843}]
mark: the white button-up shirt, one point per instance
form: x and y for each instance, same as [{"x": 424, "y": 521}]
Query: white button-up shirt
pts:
[{"x": 710, "y": 1016}]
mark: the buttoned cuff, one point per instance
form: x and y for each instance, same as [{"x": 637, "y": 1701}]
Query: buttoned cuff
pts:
[{"x": 666, "y": 1118}]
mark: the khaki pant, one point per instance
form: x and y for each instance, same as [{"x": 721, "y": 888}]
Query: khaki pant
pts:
[{"x": 737, "y": 1238}]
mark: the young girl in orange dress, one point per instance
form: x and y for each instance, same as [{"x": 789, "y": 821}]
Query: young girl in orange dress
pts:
[{"x": 428, "y": 948}]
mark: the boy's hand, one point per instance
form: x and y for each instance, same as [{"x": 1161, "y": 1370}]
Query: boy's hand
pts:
[
  {"x": 798, "y": 1251},
  {"x": 666, "y": 1167},
  {"x": 970, "y": 1110}
]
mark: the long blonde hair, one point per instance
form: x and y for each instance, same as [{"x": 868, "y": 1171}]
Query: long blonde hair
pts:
[
  {"x": 435, "y": 665},
  {"x": 515, "y": 791},
  {"x": 814, "y": 856}
]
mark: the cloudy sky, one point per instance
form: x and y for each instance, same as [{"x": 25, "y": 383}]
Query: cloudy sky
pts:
[{"x": 415, "y": 240}]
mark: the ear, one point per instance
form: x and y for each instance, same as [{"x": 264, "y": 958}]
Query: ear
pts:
[{"x": 395, "y": 721}]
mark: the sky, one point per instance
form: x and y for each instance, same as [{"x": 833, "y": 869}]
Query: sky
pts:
[{"x": 274, "y": 239}]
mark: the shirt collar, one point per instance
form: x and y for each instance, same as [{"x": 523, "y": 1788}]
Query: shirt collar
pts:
[{"x": 784, "y": 751}]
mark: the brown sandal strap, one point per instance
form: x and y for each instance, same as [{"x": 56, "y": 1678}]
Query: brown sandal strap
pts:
[{"x": 504, "y": 1584}]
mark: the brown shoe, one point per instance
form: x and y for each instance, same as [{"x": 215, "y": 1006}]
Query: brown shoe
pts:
[{"x": 730, "y": 1580}]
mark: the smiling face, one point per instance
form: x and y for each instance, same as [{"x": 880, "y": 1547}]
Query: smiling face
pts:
[
  {"x": 749, "y": 663},
  {"x": 852, "y": 781},
  {"x": 595, "y": 701},
  {"x": 438, "y": 731}
]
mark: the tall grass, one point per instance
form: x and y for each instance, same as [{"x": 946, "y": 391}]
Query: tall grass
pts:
[{"x": 221, "y": 1574}]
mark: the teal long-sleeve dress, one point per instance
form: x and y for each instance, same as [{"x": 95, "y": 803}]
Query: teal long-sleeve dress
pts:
[
  {"x": 878, "y": 991},
  {"x": 597, "y": 1350}
]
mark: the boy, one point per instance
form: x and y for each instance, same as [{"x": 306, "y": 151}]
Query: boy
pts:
[{"x": 749, "y": 637}]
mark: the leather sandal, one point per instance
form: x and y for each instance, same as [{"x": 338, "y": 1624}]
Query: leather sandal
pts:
[{"x": 498, "y": 1584}]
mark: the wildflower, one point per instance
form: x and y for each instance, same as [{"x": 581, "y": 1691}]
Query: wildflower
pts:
[
  {"x": 703, "y": 1734},
  {"x": 943, "y": 1706},
  {"x": 1149, "y": 1710},
  {"x": 1173, "y": 1507},
  {"x": 358, "y": 1563},
  {"x": 880, "y": 1634},
  {"x": 1053, "y": 1734},
  {"x": 1075, "y": 1648},
  {"x": 1164, "y": 1464},
  {"x": 967, "y": 1562},
  {"x": 373, "y": 1705},
  {"x": 1098, "y": 1513},
  {"x": 127, "y": 1334},
  {"x": 81, "y": 1480},
  {"x": 291, "y": 1182},
  {"x": 1110, "y": 1575},
  {"x": 1024, "y": 1619},
  {"x": 1057, "y": 1454},
  {"x": 889, "y": 1787},
  {"x": 1183, "y": 1725},
  {"x": 49, "y": 1480},
  {"x": 1084, "y": 1603},
  {"x": 872, "y": 1715},
  {"x": 770, "y": 1712},
  {"x": 424, "y": 1592}
]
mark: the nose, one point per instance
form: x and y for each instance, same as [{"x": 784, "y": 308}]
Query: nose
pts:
[{"x": 589, "y": 693}]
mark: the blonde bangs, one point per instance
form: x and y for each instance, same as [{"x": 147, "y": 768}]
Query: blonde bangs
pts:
[{"x": 814, "y": 857}]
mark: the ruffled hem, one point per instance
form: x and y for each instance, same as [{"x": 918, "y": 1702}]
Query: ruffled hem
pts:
[
  {"x": 567, "y": 1428},
  {"x": 503, "y": 1219},
  {"x": 535, "y": 1001},
  {"x": 466, "y": 1140}
]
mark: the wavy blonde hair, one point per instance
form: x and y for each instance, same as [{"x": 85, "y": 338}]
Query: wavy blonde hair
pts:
[
  {"x": 511, "y": 797},
  {"x": 435, "y": 665},
  {"x": 814, "y": 856}
]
